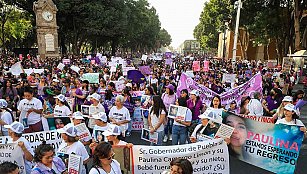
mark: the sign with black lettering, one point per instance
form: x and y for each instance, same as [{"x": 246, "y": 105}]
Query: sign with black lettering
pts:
[{"x": 12, "y": 153}]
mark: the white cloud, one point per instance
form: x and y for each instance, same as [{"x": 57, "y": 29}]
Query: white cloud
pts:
[{"x": 178, "y": 17}]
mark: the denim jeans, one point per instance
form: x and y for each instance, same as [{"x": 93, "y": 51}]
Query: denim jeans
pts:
[
  {"x": 180, "y": 134},
  {"x": 168, "y": 127},
  {"x": 160, "y": 139}
]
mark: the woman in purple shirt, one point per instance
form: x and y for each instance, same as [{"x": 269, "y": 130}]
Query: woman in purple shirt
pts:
[{"x": 195, "y": 105}]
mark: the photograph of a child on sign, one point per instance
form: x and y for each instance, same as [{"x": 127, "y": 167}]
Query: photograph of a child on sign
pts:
[
  {"x": 85, "y": 110},
  {"x": 57, "y": 122},
  {"x": 211, "y": 128},
  {"x": 173, "y": 111},
  {"x": 145, "y": 134}
]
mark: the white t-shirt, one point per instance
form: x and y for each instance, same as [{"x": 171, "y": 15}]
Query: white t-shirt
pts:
[
  {"x": 101, "y": 130},
  {"x": 155, "y": 120},
  {"x": 120, "y": 115},
  {"x": 7, "y": 118},
  {"x": 115, "y": 169},
  {"x": 283, "y": 121},
  {"x": 61, "y": 111},
  {"x": 95, "y": 110},
  {"x": 28, "y": 164},
  {"x": 154, "y": 81},
  {"x": 25, "y": 105},
  {"x": 188, "y": 117},
  {"x": 76, "y": 148}
]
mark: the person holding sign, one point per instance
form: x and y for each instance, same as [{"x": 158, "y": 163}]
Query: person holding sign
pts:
[
  {"x": 180, "y": 130},
  {"x": 291, "y": 118},
  {"x": 15, "y": 132},
  {"x": 168, "y": 98},
  {"x": 46, "y": 162},
  {"x": 30, "y": 109},
  {"x": 195, "y": 105},
  {"x": 71, "y": 144},
  {"x": 6, "y": 117},
  {"x": 62, "y": 108},
  {"x": 103, "y": 162},
  {"x": 156, "y": 118},
  {"x": 97, "y": 108},
  {"x": 119, "y": 114},
  {"x": 101, "y": 121}
]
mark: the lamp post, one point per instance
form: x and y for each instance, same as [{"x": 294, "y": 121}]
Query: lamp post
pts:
[
  {"x": 224, "y": 39},
  {"x": 238, "y": 5}
]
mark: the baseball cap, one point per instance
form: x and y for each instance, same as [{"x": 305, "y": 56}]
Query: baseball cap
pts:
[
  {"x": 194, "y": 92},
  {"x": 16, "y": 127},
  {"x": 287, "y": 99},
  {"x": 95, "y": 96},
  {"x": 77, "y": 115},
  {"x": 170, "y": 86},
  {"x": 61, "y": 97},
  {"x": 210, "y": 114},
  {"x": 3, "y": 103},
  {"x": 69, "y": 129},
  {"x": 101, "y": 116},
  {"x": 112, "y": 130},
  {"x": 289, "y": 107}
]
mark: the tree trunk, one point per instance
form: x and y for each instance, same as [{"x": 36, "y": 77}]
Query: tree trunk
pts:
[{"x": 297, "y": 24}]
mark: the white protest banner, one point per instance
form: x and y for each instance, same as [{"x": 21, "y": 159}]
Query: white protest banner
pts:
[
  {"x": 74, "y": 164},
  {"x": 16, "y": 69},
  {"x": 38, "y": 71},
  {"x": 206, "y": 157},
  {"x": 12, "y": 153},
  {"x": 66, "y": 61},
  {"x": 61, "y": 66},
  {"x": 91, "y": 77},
  {"x": 75, "y": 68},
  {"x": 83, "y": 132},
  {"x": 229, "y": 78},
  {"x": 35, "y": 139},
  {"x": 117, "y": 61},
  {"x": 29, "y": 71},
  {"x": 144, "y": 57}
]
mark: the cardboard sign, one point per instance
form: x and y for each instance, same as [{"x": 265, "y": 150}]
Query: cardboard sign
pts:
[
  {"x": 13, "y": 153},
  {"x": 91, "y": 77}
]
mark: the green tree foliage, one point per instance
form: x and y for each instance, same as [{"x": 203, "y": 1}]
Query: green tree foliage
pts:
[
  {"x": 132, "y": 24},
  {"x": 211, "y": 21},
  {"x": 165, "y": 38}
]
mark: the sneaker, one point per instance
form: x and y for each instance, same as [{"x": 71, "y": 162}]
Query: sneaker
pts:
[
  {"x": 165, "y": 139},
  {"x": 170, "y": 138}
]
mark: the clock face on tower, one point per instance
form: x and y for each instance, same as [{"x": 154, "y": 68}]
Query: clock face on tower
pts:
[{"x": 47, "y": 15}]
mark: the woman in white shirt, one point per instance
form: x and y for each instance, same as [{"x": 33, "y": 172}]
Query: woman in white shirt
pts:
[
  {"x": 119, "y": 114},
  {"x": 6, "y": 117},
  {"x": 97, "y": 108},
  {"x": 61, "y": 109},
  {"x": 156, "y": 118},
  {"x": 291, "y": 118},
  {"x": 103, "y": 160},
  {"x": 71, "y": 144}
]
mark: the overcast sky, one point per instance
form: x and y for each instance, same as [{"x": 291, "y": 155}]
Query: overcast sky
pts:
[{"x": 179, "y": 17}]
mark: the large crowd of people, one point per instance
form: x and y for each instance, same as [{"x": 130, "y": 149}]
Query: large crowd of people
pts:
[{"x": 28, "y": 99}]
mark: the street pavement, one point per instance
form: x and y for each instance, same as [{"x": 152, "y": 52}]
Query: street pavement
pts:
[{"x": 240, "y": 167}]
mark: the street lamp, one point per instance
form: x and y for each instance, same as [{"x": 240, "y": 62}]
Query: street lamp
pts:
[
  {"x": 238, "y": 6},
  {"x": 224, "y": 39}
]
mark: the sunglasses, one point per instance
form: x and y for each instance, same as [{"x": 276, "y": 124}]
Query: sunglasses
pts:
[{"x": 111, "y": 157}]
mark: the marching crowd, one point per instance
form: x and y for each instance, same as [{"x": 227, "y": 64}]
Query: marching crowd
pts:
[{"x": 28, "y": 99}]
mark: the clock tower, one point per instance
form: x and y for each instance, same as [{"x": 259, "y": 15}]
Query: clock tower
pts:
[{"x": 46, "y": 28}]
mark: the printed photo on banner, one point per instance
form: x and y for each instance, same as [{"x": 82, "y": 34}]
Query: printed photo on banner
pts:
[
  {"x": 273, "y": 147},
  {"x": 147, "y": 136},
  {"x": 83, "y": 132},
  {"x": 87, "y": 110},
  {"x": 123, "y": 156},
  {"x": 99, "y": 136},
  {"x": 177, "y": 112},
  {"x": 58, "y": 122}
]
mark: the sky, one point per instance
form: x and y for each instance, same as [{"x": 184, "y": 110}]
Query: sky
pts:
[{"x": 178, "y": 17}]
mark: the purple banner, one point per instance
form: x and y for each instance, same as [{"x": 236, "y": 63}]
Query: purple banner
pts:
[
  {"x": 145, "y": 70},
  {"x": 236, "y": 94}
]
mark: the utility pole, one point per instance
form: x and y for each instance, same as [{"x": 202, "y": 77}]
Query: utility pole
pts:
[{"x": 238, "y": 5}]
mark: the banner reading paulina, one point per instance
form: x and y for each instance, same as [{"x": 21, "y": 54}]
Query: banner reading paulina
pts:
[{"x": 269, "y": 146}]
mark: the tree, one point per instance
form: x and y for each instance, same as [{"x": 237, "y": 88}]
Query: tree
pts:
[{"x": 164, "y": 38}]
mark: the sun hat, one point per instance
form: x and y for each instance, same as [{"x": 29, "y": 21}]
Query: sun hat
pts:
[
  {"x": 112, "y": 130},
  {"x": 69, "y": 129},
  {"x": 16, "y": 127},
  {"x": 101, "y": 116},
  {"x": 287, "y": 99},
  {"x": 61, "y": 97},
  {"x": 3, "y": 103},
  {"x": 290, "y": 107},
  {"x": 194, "y": 92},
  {"x": 77, "y": 115},
  {"x": 95, "y": 96},
  {"x": 170, "y": 86}
]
